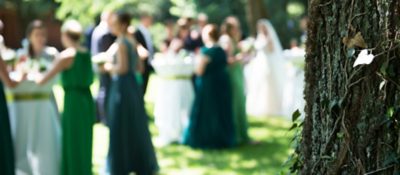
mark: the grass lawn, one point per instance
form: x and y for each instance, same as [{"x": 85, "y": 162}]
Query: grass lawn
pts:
[{"x": 265, "y": 158}]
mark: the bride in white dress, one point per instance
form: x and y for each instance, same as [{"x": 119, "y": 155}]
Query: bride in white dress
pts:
[
  {"x": 265, "y": 74},
  {"x": 33, "y": 112}
]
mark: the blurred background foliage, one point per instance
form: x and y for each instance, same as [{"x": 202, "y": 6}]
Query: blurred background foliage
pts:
[{"x": 284, "y": 14}]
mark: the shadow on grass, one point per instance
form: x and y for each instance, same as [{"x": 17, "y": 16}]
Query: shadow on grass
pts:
[{"x": 266, "y": 157}]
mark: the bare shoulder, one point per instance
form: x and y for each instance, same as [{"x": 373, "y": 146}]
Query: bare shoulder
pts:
[{"x": 68, "y": 53}]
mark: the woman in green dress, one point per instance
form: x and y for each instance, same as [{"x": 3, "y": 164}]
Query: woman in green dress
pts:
[
  {"x": 6, "y": 147},
  {"x": 211, "y": 124},
  {"x": 79, "y": 113},
  {"x": 230, "y": 41}
]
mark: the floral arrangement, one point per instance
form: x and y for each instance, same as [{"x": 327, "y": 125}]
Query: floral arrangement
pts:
[
  {"x": 31, "y": 65},
  {"x": 247, "y": 45},
  {"x": 8, "y": 55}
]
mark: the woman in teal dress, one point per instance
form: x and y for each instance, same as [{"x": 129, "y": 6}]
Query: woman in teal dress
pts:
[
  {"x": 6, "y": 144},
  {"x": 79, "y": 114},
  {"x": 211, "y": 124},
  {"x": 131, "y": 149},
  {"x": 229, "y": 41}
]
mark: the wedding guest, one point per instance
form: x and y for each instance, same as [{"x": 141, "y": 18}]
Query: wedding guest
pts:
[
  {"x": 89, "y": 33},
  {"x": 144, "y": 37},
  {"x": 170, "y": 30},
  {"x": 175, "y": 95},
  {"x": 202, "y": 21},
  {"x": 211, "y": 124},
  {"x": 230, "y": 42},
  {"x": 194, "y": 41},
  {"x": 178, "y": 42},
  {"x": 131, "y": 148},
  {"x": 102, "y": 39},
  {"x": 78, "y": 116},
  {"x": 34, "y": 115}
]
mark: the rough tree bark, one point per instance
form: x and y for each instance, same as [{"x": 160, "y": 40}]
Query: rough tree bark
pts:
[
  {"x": 255, "y": 10},
  {"x": 352, "y": 116}
]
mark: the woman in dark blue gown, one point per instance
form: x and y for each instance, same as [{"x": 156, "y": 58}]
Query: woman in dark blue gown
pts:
[
  {"x": 6, "y": 144},
  {"x": 211, "y": 123},
  {"x": 131, "y": 148}
]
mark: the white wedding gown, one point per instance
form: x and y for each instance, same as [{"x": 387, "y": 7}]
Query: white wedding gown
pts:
[
  {"x": 265, "y": 77},
  {"x": 174, "y": 97},
  {"x": 264, "y": 89}
]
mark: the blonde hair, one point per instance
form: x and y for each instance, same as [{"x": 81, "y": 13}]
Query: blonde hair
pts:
[{"x": 73, "y": 29}]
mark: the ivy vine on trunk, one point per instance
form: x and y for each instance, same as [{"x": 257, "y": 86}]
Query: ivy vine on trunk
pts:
[{"x": 352, "y": 115}]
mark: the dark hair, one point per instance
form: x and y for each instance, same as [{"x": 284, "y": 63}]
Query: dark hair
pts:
[
  {"x": 36, "y": 24},
  {"x": 124, "y": 18},
  {"x": 214, "y": 32},
  {"x": 182, "y": 28}
]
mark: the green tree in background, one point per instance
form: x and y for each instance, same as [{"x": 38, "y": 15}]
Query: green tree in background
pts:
[
  {"x": 70, "y": 9},
  {"x": 284, "y": 14}
]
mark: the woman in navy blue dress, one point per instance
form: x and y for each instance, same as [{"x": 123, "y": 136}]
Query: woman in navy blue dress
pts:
[
  {"x": 211, "y": 123},
  {"x": 131, "y": 148}
]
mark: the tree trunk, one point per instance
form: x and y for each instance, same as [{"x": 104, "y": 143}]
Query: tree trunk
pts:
[
  {"x": 352, "y": 121},
  {"x": 255, "y": 10}
]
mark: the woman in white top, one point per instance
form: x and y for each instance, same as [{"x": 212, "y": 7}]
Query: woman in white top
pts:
[
  {"x": 175, "y": 91},
  {"x": 33, "y": 112}
]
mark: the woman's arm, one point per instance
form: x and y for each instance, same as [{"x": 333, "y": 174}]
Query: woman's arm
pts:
[
  {"x": 62, "y": 62},
  {"x": 143, "y": 53},
  {"x": 4, "y": 75},
  {"x": 121, "y": 66}
]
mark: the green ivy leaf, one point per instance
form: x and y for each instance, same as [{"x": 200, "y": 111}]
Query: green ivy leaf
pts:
[
  {"x": 294, "y": 126},
  {"x": 340, "y": 135},
  {"x": 390, "y": 112},
  {"x": 296, "y": 114}
]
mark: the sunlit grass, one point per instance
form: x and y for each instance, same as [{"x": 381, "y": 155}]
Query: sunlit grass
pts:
[{"x": 264, "y": 158}]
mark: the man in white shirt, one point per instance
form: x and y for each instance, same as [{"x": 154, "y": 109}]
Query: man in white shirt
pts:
[{"x": 102, "y": 39}]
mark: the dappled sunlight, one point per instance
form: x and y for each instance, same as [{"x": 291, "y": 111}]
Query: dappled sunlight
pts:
[{"x": 266, "y": 157}]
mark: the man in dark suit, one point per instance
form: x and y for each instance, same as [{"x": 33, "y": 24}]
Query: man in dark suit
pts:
[
  {"x": 143, "y": 36},
  {"x": 101, "y": 40}
]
